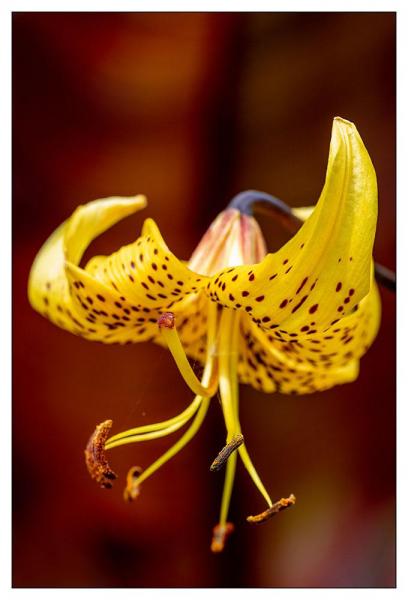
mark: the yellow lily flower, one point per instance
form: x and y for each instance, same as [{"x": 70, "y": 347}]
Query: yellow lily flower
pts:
[{"x": 294, "y": 321}]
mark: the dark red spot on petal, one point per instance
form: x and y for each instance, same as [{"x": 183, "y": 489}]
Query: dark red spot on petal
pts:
[{"x": 302, "y": 284}]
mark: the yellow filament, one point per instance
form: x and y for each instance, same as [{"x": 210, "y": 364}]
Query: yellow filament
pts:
[
  {"x": 243, "y": 452},
  {"x": 152, "y": 435},
  {"x": 199, "y": 406},
  {"x": 176, "y": 348},
  {"x": 229, "y": 396},
  {"x": 188, "y": 435},
  {"x": 182, "y": 418},
  {"x": 204, "y": 402}
]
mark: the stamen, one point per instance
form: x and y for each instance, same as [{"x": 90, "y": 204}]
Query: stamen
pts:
[
  {"x": 229, "y": 391},
  {"x": 152, "y": 435},
  {"x": 181, "y": 419},
  {"x": 160, "y": 429},
  {"x": 243, "y": 453},
  {"x": 276, "y": 507},
  {"x": 186, "y": 437},
  {"x": 132, "y": 488},
  {"x": 95, "y": 458},
  {"x": 226, "y": 452},
  {"x": 220, "y": 535},
  {"x": 166, "y": 323}
]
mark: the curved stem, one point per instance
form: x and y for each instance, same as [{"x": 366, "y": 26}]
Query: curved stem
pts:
[{"x": 385, "y": 276}]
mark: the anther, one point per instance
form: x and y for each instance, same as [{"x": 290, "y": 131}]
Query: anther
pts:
[
  {"x": 276, "y": 507},
  {"x": 95, "y": 458},
  {"x": 166, "y": 320},
  {"x": 220, "y": 535},
  {"x": 226, "y": 452},
  {"x": 132, "y": 488}
]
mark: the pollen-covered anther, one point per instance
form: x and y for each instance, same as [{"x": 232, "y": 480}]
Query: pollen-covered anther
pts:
[
  {"x": 95, "y": 458},
  {"x": 276, "y": 507},
  {"x": 226, "y": 452},
  {"x": 166, "y": 320},
  {"x": 132, "y": 489},
  {"x": 220, "y": 536}
]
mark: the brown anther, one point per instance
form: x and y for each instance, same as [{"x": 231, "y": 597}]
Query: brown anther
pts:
[
  {"x": 220, "y": 535},
  {"x": 132, "y": 488},
  {"x": 95, "y": 457},
  {"x": 226, "y": 452},
  {"x": 167, "y": 320},
  {"x": 273, "y": 510}
]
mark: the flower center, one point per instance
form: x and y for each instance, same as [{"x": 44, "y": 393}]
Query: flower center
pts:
[{"x": 233, "y": 239}]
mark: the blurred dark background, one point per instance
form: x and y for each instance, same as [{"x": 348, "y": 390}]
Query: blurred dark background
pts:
[{"x": 190, "y": 109}]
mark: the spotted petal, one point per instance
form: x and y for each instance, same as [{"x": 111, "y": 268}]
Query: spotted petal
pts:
[
  {"x": 112, "y": 299},
  {"x": 312, "y": 360},
  {"x": 323, "y": 272}
]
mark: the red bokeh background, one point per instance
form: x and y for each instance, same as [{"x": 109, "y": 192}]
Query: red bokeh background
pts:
[{"x": 190, "y": 109}]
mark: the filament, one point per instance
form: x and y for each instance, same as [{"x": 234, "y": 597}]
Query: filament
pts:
[
  {"x": 199, "y": 407},
  {"x": 152, "y": 435},
  {"x": 167, "y": 327},
  {"x": 188, "y": 435},
  {"x": 180, "y": 419},
  {"x": 229, "y": 391},
  {"x": 204, "y": 402}
]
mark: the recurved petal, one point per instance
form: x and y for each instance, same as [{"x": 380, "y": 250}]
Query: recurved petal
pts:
[
  {"x": 117, "y": 298},
  {"x": 312, "y": 360},
  {"x": 324, "y": 270},
  {"x": 146, "y": 273},
  {"x": 48, "y": 286},
  {"x": 303, "y": 212}
]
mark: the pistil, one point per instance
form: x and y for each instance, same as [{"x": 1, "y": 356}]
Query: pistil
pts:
[{"x": 220, "y": 535}]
